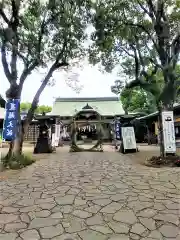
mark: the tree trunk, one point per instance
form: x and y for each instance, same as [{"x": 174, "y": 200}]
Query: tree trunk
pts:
[
  {"x": 17, "y": 146},
  {"x": 16, "y": 150},
  {"x": 9, "y": 154},
  {"x": 33, "y": 107}
]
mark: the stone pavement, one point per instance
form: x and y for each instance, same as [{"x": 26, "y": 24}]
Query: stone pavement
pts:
[{"x": 90, "y": 196}]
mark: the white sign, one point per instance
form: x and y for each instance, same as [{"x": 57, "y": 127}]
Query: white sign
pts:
[
  {"x": 53, "y": 140},
  {"x": 57, "y": 134},
  {"x": 128, "y": 137},
  {"x": 168, "y": 132}
]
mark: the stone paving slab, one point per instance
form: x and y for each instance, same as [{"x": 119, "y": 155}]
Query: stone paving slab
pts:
[{"x": 90, "y": 196}]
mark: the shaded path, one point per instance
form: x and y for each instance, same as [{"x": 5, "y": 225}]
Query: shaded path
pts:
[{"x": 90, "y": 196}]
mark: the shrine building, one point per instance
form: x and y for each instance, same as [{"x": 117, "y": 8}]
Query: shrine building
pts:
[{"x": 107, "y": 107}]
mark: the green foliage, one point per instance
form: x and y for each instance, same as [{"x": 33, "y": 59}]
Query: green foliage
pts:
[
  {"x": 44, "y": 29},
  {"x": 25, "y": 106},
  {"x": 44, "y": 109},
  {"x": 142, "y": 36},
  {"x": 137, "y": 100},
  {"x": 41, "y": 34},
  {"x": 17, "y": 161}
]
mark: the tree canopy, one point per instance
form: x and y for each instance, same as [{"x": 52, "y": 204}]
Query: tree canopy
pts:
[
  {"x": 25, "y": 106},
  {"x": 145, "y": 35},
  {"x": 138, "y": 101},
  {"x": 135, "y": 100},
  {"x": 47, "y": 34}
]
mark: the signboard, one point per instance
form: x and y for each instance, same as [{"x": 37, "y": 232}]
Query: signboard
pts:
[
  {"x": 168, "y": 132},
  {"x": 128, "y": 136},
  {"x": 53, "y": 140},
  {"x": 117, "y": 130},
  {"x": 11, "y": 119},
  {"x": 57, "y": 134}
]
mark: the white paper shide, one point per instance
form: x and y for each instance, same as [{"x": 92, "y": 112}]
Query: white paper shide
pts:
[
  {"x": 128, "y": 137},
  {"x": 168, "y": 132}
]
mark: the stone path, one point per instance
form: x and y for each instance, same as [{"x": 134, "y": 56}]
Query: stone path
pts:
[{"x": 90, "y": 196}]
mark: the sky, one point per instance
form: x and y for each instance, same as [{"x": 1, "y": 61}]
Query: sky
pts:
[{"x": 93, "y": 82}]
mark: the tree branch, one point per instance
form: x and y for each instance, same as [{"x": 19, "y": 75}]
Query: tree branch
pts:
[
  {"x": 40, "y": 90},
  {"x": 61, "y": 53},
  {"x": 14, "y": 25},
  {"x": 138, "y": 82},
  {"x": 146, "y": 31},
  {"x": 15, "y": 15},
  {"x": 3, "y": 15},
  {"x": 27, "y": 71},
  {"x": 160, "y": 10},
  {"x": 14, "y": 60},
  {"x": 54, "y": 67},
  {"x": 149, "y": 13},
  {"x": 4, "y": 62},
  {"x": 41, "y": 32},
  {"x": 175, "y": 49},
  {"x": 137, "y": 66},
  {"x": 124, "y": 50},
  {"x": 139, "y": 53},
  {"x": 151, "y": 9}
]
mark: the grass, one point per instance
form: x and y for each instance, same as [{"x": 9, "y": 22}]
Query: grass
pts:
[{"x": 17, "y": 161}]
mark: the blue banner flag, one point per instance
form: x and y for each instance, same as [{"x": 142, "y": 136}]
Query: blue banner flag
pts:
[
  {"x": 118, "y": 130},
  {"x": 11, "y": 119}
]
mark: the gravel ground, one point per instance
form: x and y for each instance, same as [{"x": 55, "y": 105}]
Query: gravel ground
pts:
[{"x": 90, "y": 196}]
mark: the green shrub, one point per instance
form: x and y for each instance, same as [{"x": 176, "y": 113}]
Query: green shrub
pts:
[{"x": 17, "y": 161}]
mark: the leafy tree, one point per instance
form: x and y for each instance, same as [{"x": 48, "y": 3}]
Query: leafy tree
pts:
[
  {"x": 43, "y": 109},
  {"x": 138, "y": 101},
  {"x": 146, "y": 34},
  {"x": 134, "y": 100},
  {"x": 25, "y": 106},
  {"x": 40, "y": 34}
]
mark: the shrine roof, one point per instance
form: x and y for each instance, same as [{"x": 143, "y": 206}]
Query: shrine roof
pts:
[{"x": 105, "y": 106}]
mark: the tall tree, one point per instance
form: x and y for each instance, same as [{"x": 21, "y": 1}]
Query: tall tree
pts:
[
  {"x": 41, "y": 34},
  {"x": 146, "y": 33}
]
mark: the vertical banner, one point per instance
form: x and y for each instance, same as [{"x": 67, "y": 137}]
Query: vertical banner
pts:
[
  {"x": 118, "y": 130},
  {"x": 168, "y": 132},
  {"x": 57, "y": 132},
  {"x": 128, "y": 136},
  {"x": 11, "y": 119}
]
